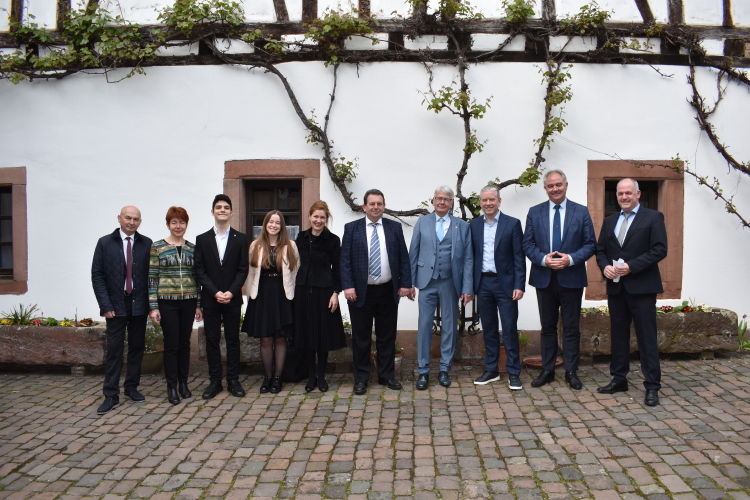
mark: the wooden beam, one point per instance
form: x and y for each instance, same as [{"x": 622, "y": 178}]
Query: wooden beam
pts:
[
  {"x": 645, "y": 9},
  {"x": 364, "y": 8},
  {"x": 91, "y": 6},
  {"x": 728, "y": 20},
  {"x": 549, "y": 14},
  {"x": 676, "y": 12},
  {"x": 309, "y": 10},
  {"x": 63, "y": 11},
  {"x": 16, "y": 12},
  {"x": 282, "y": 15}
]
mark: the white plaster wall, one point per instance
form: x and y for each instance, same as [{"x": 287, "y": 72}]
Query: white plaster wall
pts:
[
  {"x": 704, "y": 12},
  {"x": 259, "y": 11},
  {"x": 336, "y": 5},
  {"x": 741, "y": 13},
  {"x": 44, "y": 12},
  {"x": 136, "y": 11},
  {"x": 387, "y": 9},
  {"x": 620, "y": 10},
  {"x": 660, "y": 10},
  {"x": 162, "y": 139},
  {"x": 494, "y": 8},
  {"x": 4, "y": 13}
]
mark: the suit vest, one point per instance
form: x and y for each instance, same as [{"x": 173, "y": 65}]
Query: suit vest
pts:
[{"x": 443, "y": 258}]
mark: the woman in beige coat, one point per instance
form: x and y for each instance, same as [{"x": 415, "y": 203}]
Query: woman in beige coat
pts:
[{"x": 274, "y": 262}]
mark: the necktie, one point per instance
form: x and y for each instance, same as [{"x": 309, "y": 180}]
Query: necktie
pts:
[
  {"x": 129, "y": 268},
  {"x": 624, "y": 227},
  {"x": 556, "y": 230},
  {"x": 441, "y": 229},
  {"x": 374, "y": 253}
]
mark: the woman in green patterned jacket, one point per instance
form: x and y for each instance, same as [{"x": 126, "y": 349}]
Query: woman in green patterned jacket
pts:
[{"x": 174, "y": 300}]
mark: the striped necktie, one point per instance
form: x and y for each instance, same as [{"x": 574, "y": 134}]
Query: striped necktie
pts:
[{"x": 374, "y": 253}]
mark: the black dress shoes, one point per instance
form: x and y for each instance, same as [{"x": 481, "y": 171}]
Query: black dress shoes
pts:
[
  {"x": 573, "y": 381},
  {"x": 135, "y": 395},
  {"x": 391, "y": 384},
  {"x": 266, "y": 385},
  {"x": 444, "y": 379},
  {"x": 652, "y": 397},
  {"x": 212, "y": 390},
  {"x": 107, "y": 405},
  {"x": 311, "y": 383},
  {"x": 613, "y": 387},
  {"x": 183, "y": 390},
  {"x": 172, "y": 395},
  {"x": 275, "y": 385},
  {"x": 423, "y": 381},
  {"x": 487, "y": 377},
  {"x": 322, "y": 384},
  {"x": 544, "y": 378},
  {"x": 235, "y": 389},
  {"x": 360, "y": 388}
]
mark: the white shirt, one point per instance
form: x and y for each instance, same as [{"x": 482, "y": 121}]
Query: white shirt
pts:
[
  {"x": 446, "y": 223},
  {"x": 562, "y": 210},
  {"x": 621, "y": 218},
  {"x": 221, "y": 242},
  {"x": 385, "y": 268},
  {"x": 488, "y": 248},
  {"x": 125, "y": 252}
]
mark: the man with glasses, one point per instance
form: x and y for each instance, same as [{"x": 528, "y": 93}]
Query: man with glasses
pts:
[{"x": 441, "y": 267}]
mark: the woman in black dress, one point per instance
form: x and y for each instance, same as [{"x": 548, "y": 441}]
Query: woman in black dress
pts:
[
  {"x": 318, "y": 327},
  {"x": 274, "y": 262}
]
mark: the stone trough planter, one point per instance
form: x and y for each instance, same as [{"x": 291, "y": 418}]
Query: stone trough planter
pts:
[
  {"x": 691, "y": 332},
  {"x": 53, "y": 346}
]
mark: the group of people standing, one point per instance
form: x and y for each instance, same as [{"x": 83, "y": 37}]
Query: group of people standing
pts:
[{"x": 293, "y": 289}]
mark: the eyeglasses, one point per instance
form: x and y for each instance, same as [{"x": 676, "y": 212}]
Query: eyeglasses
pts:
[{"x": 440, "y": 199}]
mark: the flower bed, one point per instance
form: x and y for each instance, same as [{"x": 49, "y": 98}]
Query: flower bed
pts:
[{"x": 52, "y": 345}]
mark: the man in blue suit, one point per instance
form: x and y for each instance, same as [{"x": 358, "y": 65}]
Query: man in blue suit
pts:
[
  {"x": 499, "y": 281},
  {"x": 441, "y": 267},
  {"x": 558, "y": 240},
  {"x": 375, "y": 274}
]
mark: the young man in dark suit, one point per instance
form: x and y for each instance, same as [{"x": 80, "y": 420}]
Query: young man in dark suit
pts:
[
  {"x": 375, "y": 274},
  {"x": 119, "y": 274},
  {"x": 499, "y": 281},
  {"x": 558, "y": 240},
  {"x": 221, "y": 266},
  {"x": 630, "y": 247}
]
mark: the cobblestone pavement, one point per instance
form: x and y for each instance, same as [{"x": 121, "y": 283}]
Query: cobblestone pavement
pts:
[{"x": 464, "y": 442}]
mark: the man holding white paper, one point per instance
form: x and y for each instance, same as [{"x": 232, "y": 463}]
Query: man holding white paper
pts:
[{"x": 631, "y": 245}]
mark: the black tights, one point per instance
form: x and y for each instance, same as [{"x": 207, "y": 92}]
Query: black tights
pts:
[
  {"x": 322, "y": 362},
  {"x": 271, "y": 348}
]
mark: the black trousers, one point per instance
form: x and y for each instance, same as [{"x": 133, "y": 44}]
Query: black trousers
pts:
[
  {"x": 136, "y": 327},
  {"x": 177, "y": 324},
  {"x": 555, "y": 300},
  {"x": 640, "y": 309},
  {"x": 379, "y": 306},
  {"x": 213, "y": 318}
]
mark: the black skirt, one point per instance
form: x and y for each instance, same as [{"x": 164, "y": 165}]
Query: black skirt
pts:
[
  {"x": 270, "y": 313},
  {"x": 315, "y": 326}
]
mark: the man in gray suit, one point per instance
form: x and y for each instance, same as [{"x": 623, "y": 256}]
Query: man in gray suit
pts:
[{"x": 441, "y": 266}]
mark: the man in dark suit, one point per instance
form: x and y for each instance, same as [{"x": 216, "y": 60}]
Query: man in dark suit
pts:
[
  {"x": 630, "y": 247},
  {"x": 499, "y": 281},
  {"x": 375, "y": 273},
  {"x": 119, "y": 274},
  {"x": 221, "y": 265},
  {"x": 558, "y": 240}
]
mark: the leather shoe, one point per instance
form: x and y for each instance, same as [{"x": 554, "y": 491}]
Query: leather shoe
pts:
[
  {"x": 235, "y": 389},
  {"x": 487, "y": 377},
  {"x": 275, "y": 385},
  {"x": 107, "y": 405},
  {"x": 423, "y": 381},
  {"x": 652, "y": 397},
  {"x": 360, "y": 388},
  {"x": 322, "y": 384},
  {"x": 172, "y": 395},
  {"x": 444, "y": 379},
  {"x": 544, "y": 378},
  {"x": 391, "y": 384},
  {"x": 212, "y": 390},
  {"x": 612, "y": 388},
  {"x": 135, "y": 395},
  {"x": 266, "y": 385},
  {"x": 311, "y": 383},
  {"x": 573, "y": 381},
  {"x": 182, "y": 388}
]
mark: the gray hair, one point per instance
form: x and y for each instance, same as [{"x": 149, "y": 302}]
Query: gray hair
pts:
[
  {"x": 635, "y": 183},
  {"x": 445, "y": 189},
  {"x": 555, "y": 171},
  {"x": 490, "y": 187}
]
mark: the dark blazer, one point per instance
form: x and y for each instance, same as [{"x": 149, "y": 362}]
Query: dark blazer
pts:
[
  {"x": 217, "y": 276},
  {"x": 108, "y": 274},
  {"x": 510, "y": 262},
  {"x": 319, "y": 261},
  {"x": 644, "y": 246},
  {"x": 578, "y": 241},
  {"x": 355, "y": 258}
]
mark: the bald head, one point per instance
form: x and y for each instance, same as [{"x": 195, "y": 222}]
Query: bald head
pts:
[{"x": 129, "y": 219}]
